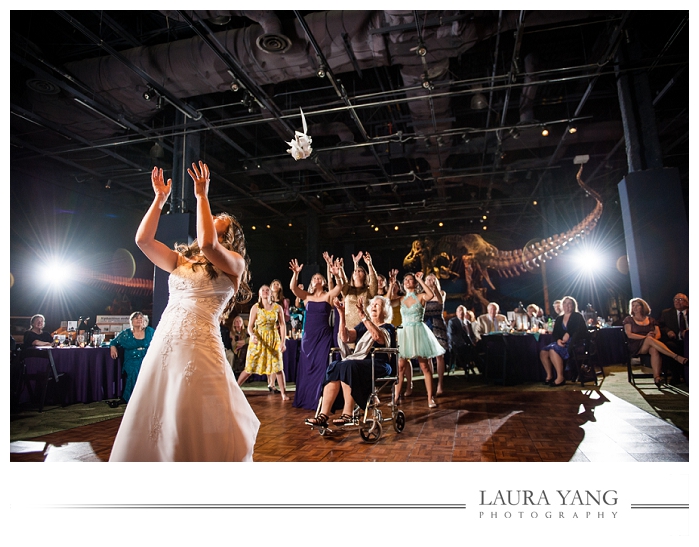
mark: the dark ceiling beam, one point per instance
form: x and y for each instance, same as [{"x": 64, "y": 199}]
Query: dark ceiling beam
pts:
[
  {"x": 614, "y": 41},
  {"x": 183, "y": 107},
  {"x": 257, "y": 92},
  {"x": 24, "y": 144},
  {"x": 104, "y": 17},
  {"x": 341, "y": 93},
  {"x": 69, "y": 134},
  {"x": 75, "y": 88}
]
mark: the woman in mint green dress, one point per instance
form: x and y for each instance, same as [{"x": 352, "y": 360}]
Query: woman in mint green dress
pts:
[
  {"x": 415, "y": 339},
  {"x": 134, "y": 342}
]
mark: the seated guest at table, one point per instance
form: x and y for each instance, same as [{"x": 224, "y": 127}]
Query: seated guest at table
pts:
[
  {"x": 643, "y": 336},
  {"x": 674, "y": 323},
  {"x": 568, "y": 327},
  {"x": 36, "y": 337},
  {"x": 492, "y": 321},
  {"x": 533, "y": 317},
  {"x": 267, "y": 330},
  {"x": 557, "y": 308},
  {"x": 226, "y": 339},
  {"x": 674, "y": 328},
  {"x": 462, "y": 340},
  {"x": 239, "y": 343},
  {"x": 134, "y": 341},
  {"x": 298, "y": 313},
  {"x": 474, "y": 330},
  {"x": 351, "y": 375}
]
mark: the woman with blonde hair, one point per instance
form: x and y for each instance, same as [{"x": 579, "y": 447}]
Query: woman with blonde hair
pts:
[
  {"x": 267, "y": 330},
  {"x": 134, "y": 342},
  {"x": 643, "y": 334}
]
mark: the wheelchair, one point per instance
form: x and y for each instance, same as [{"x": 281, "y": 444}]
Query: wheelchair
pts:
[{"x": 369, "y": 420}]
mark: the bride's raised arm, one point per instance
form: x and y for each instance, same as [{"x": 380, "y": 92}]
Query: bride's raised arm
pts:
[
  {"x": 224, "y": 259},
  {"x": 156, "y": 251}
]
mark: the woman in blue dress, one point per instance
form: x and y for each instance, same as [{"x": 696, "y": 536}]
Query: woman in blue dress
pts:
[
  {"x": 317, "y": 336},
  {"x": 570, "y": 324},
  {"x": 415, "y": 339},
  {"x": 134, "y": 342}
]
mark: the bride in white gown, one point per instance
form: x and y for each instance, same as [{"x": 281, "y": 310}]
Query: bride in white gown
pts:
[{"x": 187, "y": 405}]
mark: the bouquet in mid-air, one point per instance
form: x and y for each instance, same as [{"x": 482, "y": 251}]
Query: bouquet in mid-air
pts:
[{"x": 301, "y": 143}]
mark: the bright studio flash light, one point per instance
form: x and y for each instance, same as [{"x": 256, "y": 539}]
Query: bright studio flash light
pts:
[
  {"x": 56, "y": 272},
  {"x": 588, "y": 260}
]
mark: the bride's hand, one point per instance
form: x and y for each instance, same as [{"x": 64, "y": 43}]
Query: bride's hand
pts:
[
  {"x": 160, "y": 187},
  {"x": 201, "y": 178}
]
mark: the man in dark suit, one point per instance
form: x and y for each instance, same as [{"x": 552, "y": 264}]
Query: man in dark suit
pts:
[
  {"x": 674, "y": 328},
  {"x": 462, "y": 339}
]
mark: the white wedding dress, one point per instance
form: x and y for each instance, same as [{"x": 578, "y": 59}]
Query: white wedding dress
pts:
[{"x": 186, "y": 405}]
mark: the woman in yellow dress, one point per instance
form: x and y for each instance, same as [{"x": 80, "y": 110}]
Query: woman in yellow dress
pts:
[{"x": 267, "y": 330}]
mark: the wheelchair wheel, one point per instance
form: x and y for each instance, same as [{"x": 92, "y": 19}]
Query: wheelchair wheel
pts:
[
  {"x": 399, "y": 421},
  {"x": 371, "y": 431}
]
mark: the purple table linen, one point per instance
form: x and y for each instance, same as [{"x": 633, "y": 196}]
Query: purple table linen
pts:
[{"x": 91, "y": 373}]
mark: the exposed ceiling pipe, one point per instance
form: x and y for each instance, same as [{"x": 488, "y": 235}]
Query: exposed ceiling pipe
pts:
[{"x": 614, "y": 41}]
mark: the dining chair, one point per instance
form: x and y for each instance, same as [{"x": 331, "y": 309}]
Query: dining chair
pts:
[{"x": 48, "y": 375}]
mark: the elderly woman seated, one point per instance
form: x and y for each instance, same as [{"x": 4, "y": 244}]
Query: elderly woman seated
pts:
[{"x": 349, "y": 379}]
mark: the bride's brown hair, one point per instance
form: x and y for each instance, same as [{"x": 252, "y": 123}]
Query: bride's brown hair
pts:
[{"x": 232, "y": 239}]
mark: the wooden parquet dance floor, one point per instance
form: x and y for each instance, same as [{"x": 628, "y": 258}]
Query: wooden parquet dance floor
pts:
[{"x": 473, "y": 423}]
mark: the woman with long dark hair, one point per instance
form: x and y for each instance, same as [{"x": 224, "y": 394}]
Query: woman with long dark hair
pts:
[
  {"x": 317, "y": 336},
  {"x": 186, "y": 405}
]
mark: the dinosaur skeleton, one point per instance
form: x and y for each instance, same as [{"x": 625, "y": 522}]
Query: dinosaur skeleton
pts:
[{"x": 478, "y": 256}]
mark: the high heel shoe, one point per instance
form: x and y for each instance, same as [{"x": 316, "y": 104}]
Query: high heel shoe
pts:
[
  {"x": 548, "y": 381},
  {"x": 658, "y": 382},
  {"x": 432, "y": 404},
  {"x": 554, "y": 384}
]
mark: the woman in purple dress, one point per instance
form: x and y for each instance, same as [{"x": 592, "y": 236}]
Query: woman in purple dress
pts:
[{"x": 317, "y": 336}]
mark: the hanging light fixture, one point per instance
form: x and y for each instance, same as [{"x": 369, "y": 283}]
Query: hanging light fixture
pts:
[{"x": 478, "y": 101}]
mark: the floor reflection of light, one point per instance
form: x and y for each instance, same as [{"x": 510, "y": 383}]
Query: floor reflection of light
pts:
[
  {"x": 71, "y": 452},
  {"x": 26, "y": 447}
]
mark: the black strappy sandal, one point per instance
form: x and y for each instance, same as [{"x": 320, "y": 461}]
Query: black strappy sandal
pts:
[
  {"x": 345, "y": 419},
  {"x": 320, "y": 420}
]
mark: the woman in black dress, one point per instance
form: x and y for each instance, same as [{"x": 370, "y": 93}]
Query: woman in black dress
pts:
[{"x": 643, "y": 336}]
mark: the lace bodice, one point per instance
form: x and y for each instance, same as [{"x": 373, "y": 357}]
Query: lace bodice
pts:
[
  {"x": 412, "y": 314},
  {"x": 195, "y": 306}
]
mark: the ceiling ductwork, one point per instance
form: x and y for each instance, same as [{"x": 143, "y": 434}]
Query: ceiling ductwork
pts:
[
  {"x": 189, "y": 68},
  {"x": 416, "y": 111}
]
